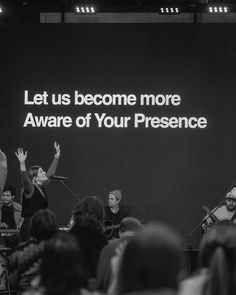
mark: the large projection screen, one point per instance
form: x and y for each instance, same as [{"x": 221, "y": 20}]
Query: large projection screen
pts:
[{"x": 146, "y": 108}]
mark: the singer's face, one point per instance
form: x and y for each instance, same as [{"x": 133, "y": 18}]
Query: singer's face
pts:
[
  {"x": 41, "y": 176},
  {"x": 7, "y": 198}
]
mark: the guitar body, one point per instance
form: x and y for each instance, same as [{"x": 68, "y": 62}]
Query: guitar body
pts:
[{"x": 109, "y": 228}]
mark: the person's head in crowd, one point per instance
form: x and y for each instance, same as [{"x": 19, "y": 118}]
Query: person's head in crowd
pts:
[
  {"x": 37, "y": 175},
  {"x": 218, "y": 255},
  {"x": 114, "y": 198},
  {"x": 8, "y": 195},
  {"x": 43, "y": 225},
  {"x": 89, "y": 213},
  {"x": 151, "y": 261},
  {"x": 128, "y": 226},
  {"x": 61, "y": 271},
  {"x": 230, "y": 200}
]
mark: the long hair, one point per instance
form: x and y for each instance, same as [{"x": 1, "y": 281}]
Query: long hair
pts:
[
  {"x": 61, "y": 271},
  {"x": 89, "y": 213},
  {"x": 218, "y": 254},
  {"x": 151, "y": 260}
]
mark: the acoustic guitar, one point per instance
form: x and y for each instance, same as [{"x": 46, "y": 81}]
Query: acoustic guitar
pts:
[
  {"x": 109, "y": 228},
  {"x": 212, "y": 216}
]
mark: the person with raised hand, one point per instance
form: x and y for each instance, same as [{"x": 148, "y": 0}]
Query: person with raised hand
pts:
[
  {"x": 34, "y": 182},
  {"x": 3, "y": 170}
]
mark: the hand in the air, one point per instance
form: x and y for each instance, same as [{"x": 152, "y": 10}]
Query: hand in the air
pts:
[
  {"x": 3, "y": 159},
  {"x": 21, "y": 155},
  {"x": 57, "y": 148}
]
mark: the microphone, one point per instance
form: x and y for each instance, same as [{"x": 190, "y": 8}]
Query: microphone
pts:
[{"x": 55, "y": 177}]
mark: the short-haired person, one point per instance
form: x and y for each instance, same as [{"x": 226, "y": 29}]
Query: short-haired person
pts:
[
  {"x": 25, "y": 259},
  {"x": 88, "y": 218},
  {"x": 128, "y": 227},
  {"x": 114, "y": 212},
  {"x": 225, "y": 212},
  {"x": 10, "y": 216},
  {"x": 34, "y": 182},
  {"x": 10, "y": 211},
  {"x": 149, "y": 263}
]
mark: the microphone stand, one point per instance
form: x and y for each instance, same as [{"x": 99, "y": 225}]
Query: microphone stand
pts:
[{"x": 69, "y": 189}]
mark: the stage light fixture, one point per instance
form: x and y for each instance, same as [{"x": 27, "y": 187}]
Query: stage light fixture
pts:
[
  {"x": 85, "y": 9},
  {"x": 169, "y": 10},
  {"x": 218, "y": 9},
  {"x": 1, "y": 10}
]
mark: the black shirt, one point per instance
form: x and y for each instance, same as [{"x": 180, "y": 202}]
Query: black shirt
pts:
[
  {"x": 115, "y": 219},
  {"x": 8, "y": 216},
  {"x": 91, "y": 244},
  {"x": 37, "y": 202}
]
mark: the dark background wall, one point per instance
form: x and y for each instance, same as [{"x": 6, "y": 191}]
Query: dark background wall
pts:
[{"x": 165, "y": 174}]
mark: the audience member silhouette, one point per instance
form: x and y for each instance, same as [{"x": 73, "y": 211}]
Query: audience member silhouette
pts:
[
  {"x": 24, "y": 261},
  {"x": 217, "y": 273},
  {"x": 150, "y": 263},
  {"x": 128, "y": 227},
  {"x": 88, "y": 217},
  {"x": 61, "y": 271}
]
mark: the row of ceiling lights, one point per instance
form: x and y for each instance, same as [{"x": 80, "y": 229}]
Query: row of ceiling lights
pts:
[{"x": 162, "y": 10}]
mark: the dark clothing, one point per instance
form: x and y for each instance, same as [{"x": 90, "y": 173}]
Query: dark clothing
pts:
[
  {"x": 30, "y": 206},
  {"x": 25, "y": 229},
  {"x": 115, "y": 219},
  {"x": 37, "y": 198},
  {"x": 24, "y": 263},
  {"x": 91, "y": 244},
  {"x": 37, "y": 202},
  {"x": 8, "y": 216},
  {"x": 104, "y": 272},
  {"x": 11, "y": 215}
]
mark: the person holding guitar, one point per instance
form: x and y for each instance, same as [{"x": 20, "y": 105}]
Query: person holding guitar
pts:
[
  {"x": 115, "y": 213},
  {"x": 224, "y": 212}
]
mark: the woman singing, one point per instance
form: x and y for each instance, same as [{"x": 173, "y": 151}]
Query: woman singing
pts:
[{"x": 34, "y": 197}]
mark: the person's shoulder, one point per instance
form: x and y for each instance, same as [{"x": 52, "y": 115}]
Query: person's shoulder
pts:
[
  {"x": 109, "y": 249},
  {"x": 17, "y": 205},
  {"x": 195, "y": 284}
]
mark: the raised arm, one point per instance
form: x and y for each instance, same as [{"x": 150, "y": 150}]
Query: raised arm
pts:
[
  {"x": 26, "y": 182},
  {"x": 3, "y": 171},
  {"x": 53, "y": 168}
]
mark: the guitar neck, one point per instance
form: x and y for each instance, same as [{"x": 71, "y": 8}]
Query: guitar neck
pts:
[
  {"x": 211, "y": 214},
  {"x": 111, "y": 227}
]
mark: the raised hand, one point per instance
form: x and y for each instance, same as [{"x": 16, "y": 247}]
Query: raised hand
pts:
[
  {"x": 21, "y": 155},
  {"x": 58, "y": 149},
  {"x": 3, "y": 159}
]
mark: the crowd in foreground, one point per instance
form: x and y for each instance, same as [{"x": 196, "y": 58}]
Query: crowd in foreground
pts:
[{"x": 144, "y": 260}]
